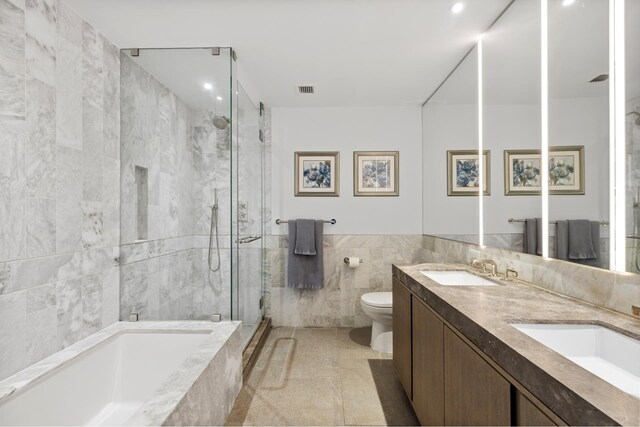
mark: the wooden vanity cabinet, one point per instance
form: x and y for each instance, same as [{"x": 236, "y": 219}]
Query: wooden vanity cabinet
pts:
[
  {"x": 402, "y": 334},
  {"x": 528, "y": 414},
  {"x": 447, "y": 379},
  {"x": 428, "y": 366},
  {"x": 474, "y": 393}
]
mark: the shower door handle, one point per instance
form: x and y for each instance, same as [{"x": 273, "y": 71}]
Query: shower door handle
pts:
[{"x": 248, "y": 239}]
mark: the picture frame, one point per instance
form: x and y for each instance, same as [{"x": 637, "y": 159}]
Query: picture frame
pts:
[
  {"x": 376, "y": 173},
  {"x": 316, "y": 174},
  {"x": 522, "y": 172},
  {"x": 462, "y": 172},
  {"x": 566, "y": 171}
]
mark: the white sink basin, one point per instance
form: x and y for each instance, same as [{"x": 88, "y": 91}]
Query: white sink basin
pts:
[
  {"x": 457, "y": 278},
  {"x": 608, "y": 354}
]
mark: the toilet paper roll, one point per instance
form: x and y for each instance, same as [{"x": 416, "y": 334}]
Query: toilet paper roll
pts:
[{"x": 354, "y": 262}]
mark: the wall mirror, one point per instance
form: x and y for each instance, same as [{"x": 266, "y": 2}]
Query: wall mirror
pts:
[
  {"x": 511, "y": 124},
  {"x": 450, "y": 164},
  {"x": 632, "y": 136},
  {"x": 582, "y": 159},
  {"x": 578, "y": 64}
]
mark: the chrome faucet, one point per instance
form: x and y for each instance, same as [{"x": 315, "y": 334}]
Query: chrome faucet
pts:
[{"x": 477, "y": 263}]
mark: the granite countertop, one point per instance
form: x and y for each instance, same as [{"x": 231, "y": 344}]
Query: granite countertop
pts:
[{"x": 484, "y": 314}]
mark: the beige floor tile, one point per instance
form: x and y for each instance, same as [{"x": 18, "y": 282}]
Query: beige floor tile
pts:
[
  {"x": 354, "y": 337},
  {"x": 280, "y": 336},
  {"x": 325, "y": 376},
  {"x": 373, "y": 395},
  {"x": 297, "y": 402},
  {"x": 311, "y": 364}
]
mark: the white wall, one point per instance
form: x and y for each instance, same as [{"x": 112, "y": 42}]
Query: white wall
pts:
[
  {"x": 582, "y": 121},
  {"x": 347, "y": 130}
]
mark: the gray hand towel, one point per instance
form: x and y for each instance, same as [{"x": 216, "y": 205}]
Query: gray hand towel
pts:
[
  {"x": 562, "y": 239},
  {"x": 530, "y": 236},
  {"x": 539, "y": 236},
  {"x": 305, "y": 243},
  {"x": 580, "y": 240},
  {"x": 595, "y": 240},
  {"x": 306, "y": 271}
]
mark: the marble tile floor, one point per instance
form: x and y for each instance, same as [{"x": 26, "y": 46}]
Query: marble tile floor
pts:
[{"x": 322, "y": 376}]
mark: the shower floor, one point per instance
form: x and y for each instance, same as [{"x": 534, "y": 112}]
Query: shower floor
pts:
[{"x": 322, "y": 376}]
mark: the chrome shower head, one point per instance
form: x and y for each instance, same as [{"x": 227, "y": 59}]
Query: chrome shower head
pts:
[{"x": 220, "y": 122}]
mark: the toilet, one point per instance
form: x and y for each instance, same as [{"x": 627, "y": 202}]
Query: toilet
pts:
[{"x": 379, "y": 307}]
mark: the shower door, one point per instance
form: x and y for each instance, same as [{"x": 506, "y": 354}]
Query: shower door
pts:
[{"x": 248, "y": 223}]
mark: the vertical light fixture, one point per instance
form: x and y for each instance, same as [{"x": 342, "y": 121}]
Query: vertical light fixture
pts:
[
  {"x": 544, "y": 125},
  {"x": 617, "y": 96},
  {"x": 480, "y": 149}
]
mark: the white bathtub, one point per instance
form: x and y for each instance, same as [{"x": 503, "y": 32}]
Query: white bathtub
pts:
[{"x": 146, "y": 373}]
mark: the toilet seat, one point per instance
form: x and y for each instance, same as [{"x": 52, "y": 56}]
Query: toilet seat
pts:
[{"x": 378, "y": 299}]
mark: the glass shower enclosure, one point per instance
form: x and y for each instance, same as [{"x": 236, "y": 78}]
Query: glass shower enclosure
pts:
[{"x": 191, "y": 188}]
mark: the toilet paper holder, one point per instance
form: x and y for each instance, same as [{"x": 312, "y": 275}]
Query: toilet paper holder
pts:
[{"x": 346, "y": 260}]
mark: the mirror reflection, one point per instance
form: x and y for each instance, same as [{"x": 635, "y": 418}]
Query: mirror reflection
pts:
[
  {"x": 579, "y": 131},
  {"x": 450, "y": 147},
  {"x": 512, "y": 117},
  {"x": 632, "y": 17},
  {"x": 580, "y": 194}
]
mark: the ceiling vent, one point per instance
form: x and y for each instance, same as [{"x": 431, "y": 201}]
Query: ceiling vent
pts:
[
  {"x": 600, "y": 78},
  {"x": 305, "y": 89}
]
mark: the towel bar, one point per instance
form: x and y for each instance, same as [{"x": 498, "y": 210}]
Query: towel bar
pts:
[
  {"x": 281, "y": 221},
  {"x": 604, "y": 223}
]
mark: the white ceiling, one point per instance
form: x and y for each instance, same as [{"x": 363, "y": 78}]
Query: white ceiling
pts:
[{"x": 355, "y": 52}]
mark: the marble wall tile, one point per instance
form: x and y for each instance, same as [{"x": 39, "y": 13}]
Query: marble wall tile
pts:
[
  {"x": 92, "y": 225},
  {"x": 5, "y": 278},
  {"x": 68, "y": 234},
  {"x": 111, "y": 100},
  {"x": 110, "y": 296},
  {"x": 68, "y": 76},
  {"x": 41, "y": 139},
  {"x": 111, "y": 201},
  {"x": 49, "y": 60},
  {"x": 41, "y": 331},
  {"x": 92, "y": 151},
  {"x": 134, "y": 285},
  {"x": 41, "y": 227},
  {"x": 338, "y": 302},
  {"x": 41, "y": 35},
  {"x": 91, "y": 304},
  {"x": 12, "y": 52},
  {"x": 12, "y": 188},
  {"x": 13, "y": 319},
  {"x": 69, "y": 173}
]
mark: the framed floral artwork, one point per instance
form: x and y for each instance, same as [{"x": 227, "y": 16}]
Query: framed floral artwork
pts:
[
  {"x": 566, "y": 171},
  {"x": 376, "y": 173},
  {"x": 317, "y": 173},
  {"x": 522, "y": 172},
  {"x": 463, "y": 172}
]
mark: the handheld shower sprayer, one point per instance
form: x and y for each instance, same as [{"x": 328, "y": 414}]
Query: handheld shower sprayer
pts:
[{"x": 214, "y": 226}]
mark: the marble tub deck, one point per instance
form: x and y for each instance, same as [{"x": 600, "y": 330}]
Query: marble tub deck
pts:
[
  {"x": 178, "y": 400},
  {"x": 322, "y": 376},
  {"x": 484, "y": 315}
]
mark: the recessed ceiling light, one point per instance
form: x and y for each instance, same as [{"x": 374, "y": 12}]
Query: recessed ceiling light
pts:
[
  {"x": 568, "y": 2},
  {"x": 457, "y": 7},
  {"x": 208, "y": 86},
  {"x": 219, "y": 98}
]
